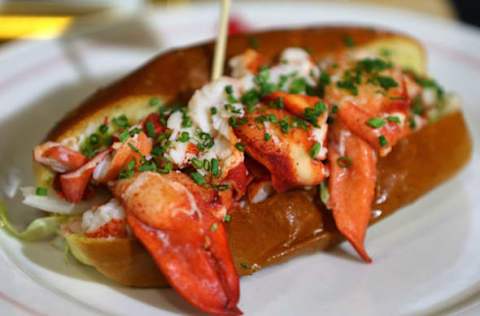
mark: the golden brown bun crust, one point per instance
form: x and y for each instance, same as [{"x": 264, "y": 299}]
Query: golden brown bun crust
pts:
[{"x": 122, "y": 260}]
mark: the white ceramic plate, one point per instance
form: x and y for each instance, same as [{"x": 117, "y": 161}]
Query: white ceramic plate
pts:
[{"x": 427, "y": 257}]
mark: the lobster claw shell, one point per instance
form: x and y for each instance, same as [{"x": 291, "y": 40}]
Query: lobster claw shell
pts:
[{"x": 174, "y": 220}]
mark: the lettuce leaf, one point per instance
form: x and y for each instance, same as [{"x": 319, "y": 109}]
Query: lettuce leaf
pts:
[{"x": 38, "y": 229}]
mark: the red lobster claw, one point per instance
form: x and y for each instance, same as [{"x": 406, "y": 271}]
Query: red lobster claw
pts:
[
  {"x": 352, "y": 186},
  {"x": 172, "y": 217}
]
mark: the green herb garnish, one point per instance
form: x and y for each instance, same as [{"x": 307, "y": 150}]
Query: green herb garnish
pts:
[
  {"x": 103, "y": 129},
  {"x": 298, "y": 85},
  {"x": 284, "y": 127},
  {"x": 227, "y": 218},
  {"x": 183, "y": 137},
  {"x": 167, "y": 167},
  {"x": 386, "y": 82},
  {"x": 121, "y": 121},
  {"x": 315, "y": 150},
  {"x": 128, "y": 171},
  {"x": 41, "y": 191},
  {"x": 148, "y": 166},
  {"x": 197, "y": 163},
  {"x": 376, "y": 122},
  {"x": 154, "y": 101},
  {"x": 250, "y": 99},
  {"x": 382, "y": 141},
  {"x": 240, "y": 147},
  {"x": 230, "y": 97},
  {"x": 198, "y": 178},
  {"x": 214, "y": 167},
  {"x": 150, "y": 129},
  {"x": 393, "y": 119}
]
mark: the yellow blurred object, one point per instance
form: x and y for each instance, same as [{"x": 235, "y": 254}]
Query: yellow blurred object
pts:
[{"x": 33, "y": 27}]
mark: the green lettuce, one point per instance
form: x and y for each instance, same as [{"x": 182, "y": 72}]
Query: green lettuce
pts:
[{"x": 38, "y": 229}]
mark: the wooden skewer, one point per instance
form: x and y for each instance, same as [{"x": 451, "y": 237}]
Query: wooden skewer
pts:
[{"x": 220, "y": 45}]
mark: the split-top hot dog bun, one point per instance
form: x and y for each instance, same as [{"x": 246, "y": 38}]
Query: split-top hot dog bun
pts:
[{"x": 286, "y": 224}]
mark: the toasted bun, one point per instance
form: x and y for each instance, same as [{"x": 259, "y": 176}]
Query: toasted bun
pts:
[{"x": 260, "y": 234}]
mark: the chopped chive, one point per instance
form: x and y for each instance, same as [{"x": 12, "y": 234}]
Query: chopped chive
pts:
[
  {"x": 348, "y": 85},
  {"x": 230, "y": 97},
  {"x": 206, "y": 164},
  {"x": 412, "y": 123},
  {"x": 132, "y": 132},
  {"x": 271, "y": 118},
  {"x": 298, "y": 85},
  {"x": 298, "y": 122},
  {"x": 240, "y": 147},
  {"x": 232, "y": 122},
  {"x": 334, "y": 109},
  {"x": 94, "y": 139},
  {"x": 227, "y": 218},
  {"x": 134, "y": 148},
  {"x": 229, "y": 89},
  {"x": 312, "y": 114},
  {"x": 127, "y": 172},
  {"x": 197, "y": 163},
  {"x": 373, "y": 65},
  {"x": 158, "y": 150},
  {"x": 213, "y": 110},
  {"x": 121, "y": 121},
  {"x": 344, "y": 162},
  {"x": 154, "y": 101},
  {"x": 148, "y": 166},
  {"x": 214, "y": 167},
  {"x": 417, "y": 107},
  {"x": 386, "y": 82},
  {"x": 184, "y": 137},
  {"x": 393, "y": 119},
  {"x": 277, "y": 103},
  {"x": 376, "y": 122},
  {"x": 198, "y": 178},
  {"x": 382, "y": 141},
  {"x": 41, "y": 191},
  {"x": 103, "y": 128},
  {"x": 315, "y": 150},
  {"x": 150, "y": 130},
  {"x": 284, "y": 127},
  {"x": 250, "y": 99},
  {"x": 206, "y": 141},
  {"x": 124, "y": 136},
  {"x": 267, "y": 137},
  {"x": 167, "y": 167}
]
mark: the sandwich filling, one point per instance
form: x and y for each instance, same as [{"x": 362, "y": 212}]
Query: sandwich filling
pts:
[{"x": 299, "y": 122}]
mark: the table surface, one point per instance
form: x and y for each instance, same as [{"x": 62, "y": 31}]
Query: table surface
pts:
[{"x": 40, "y": 20}]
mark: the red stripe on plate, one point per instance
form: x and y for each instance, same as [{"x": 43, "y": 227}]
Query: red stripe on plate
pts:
[{"x": 19, "y": 305}]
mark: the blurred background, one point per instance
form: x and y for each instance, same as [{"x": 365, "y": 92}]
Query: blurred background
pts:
[{"x": 47, "y": 19}]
